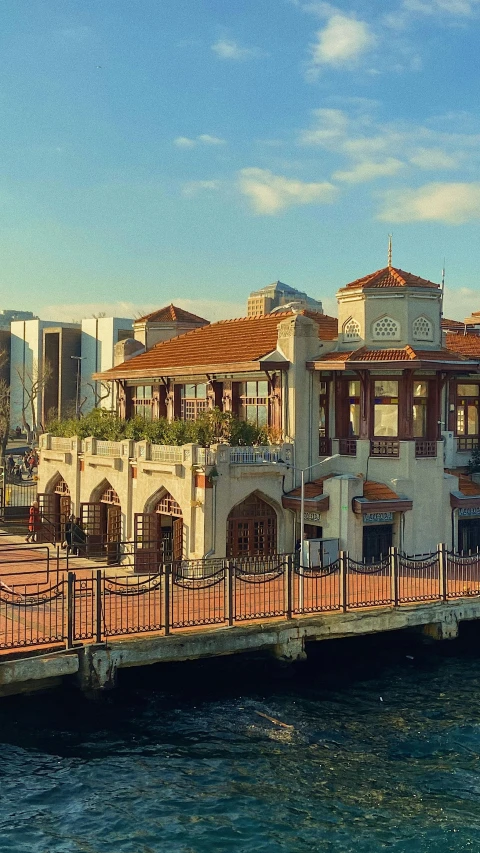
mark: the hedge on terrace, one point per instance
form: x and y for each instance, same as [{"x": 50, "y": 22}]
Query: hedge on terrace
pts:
[{"x": 209, "y": 428}]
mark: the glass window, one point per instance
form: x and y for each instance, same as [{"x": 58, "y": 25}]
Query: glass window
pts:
[
  {"x": 467, "y": 404},
  {"x": 142, "y": 401},
  {"x": 385, "y": 410},
  {"x": 254, "y": 402},
  {"x": 193, "y": 400},
  {"x": 420, "y": 401}
]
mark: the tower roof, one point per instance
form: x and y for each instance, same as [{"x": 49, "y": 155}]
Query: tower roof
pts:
[
  {"x": 172, "y": 314},
  {"x": 390, "y": 277}
]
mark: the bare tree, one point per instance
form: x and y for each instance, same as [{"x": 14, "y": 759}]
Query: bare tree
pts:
[
  {"x": 32, "y": 382},
  {"x": 98, "y": 390},
  {"x": 4, "y": 418}
]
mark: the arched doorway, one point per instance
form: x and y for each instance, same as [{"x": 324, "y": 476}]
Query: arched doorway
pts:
[
  {"x": 158, "y": 534},
  {"x": 252, "y": 529},
  {"x": 55, "y": 505},
  {"x": 101, "y": 521}
]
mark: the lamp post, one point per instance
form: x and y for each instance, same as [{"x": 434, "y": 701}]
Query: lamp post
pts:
[{"x": 78, "y": 359}]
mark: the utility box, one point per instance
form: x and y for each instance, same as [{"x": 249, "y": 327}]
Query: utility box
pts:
[{"x": 319, "y": 553}]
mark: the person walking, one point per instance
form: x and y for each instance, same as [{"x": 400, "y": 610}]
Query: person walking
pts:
[{"x": 33, "y": 522}]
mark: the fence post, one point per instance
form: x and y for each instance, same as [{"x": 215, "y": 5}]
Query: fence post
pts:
[
  {"x": 70, "y": 609},
  {"x": 167, "y": 572},
  {"x": 442, "y": 571},
  {"x": 98, "y": 596},
  {"x": 288, "y": 586},
  {"x": 343, "y": 581},
  {"x": 230, "y": 592},
  {"x": 394, "y": 575}
]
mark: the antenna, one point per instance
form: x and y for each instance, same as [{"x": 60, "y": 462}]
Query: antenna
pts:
[
  {"x": 390, "y": 250},
  {"x": 443, "y": 289}
]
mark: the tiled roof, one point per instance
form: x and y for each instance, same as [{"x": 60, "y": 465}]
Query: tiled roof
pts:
[
  {"x": 390, "y": 277},
  {"x": 465, "y": 484},
  {"x": 172, "y": 314},
  {"x": 465, "y": 345},
  {"x": 452, "y": 325},
  {"x": 247, "y": 339},
  {"x": 312, "y": 490},
  {"x": 402, "y": 354},
  {"x": 378, "y": 492}
]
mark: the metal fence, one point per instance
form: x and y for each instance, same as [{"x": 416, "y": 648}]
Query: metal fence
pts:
[{"x": 67, "y": 610}]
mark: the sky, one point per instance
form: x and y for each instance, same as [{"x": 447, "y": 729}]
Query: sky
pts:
[{"x": 192, "y": 151}]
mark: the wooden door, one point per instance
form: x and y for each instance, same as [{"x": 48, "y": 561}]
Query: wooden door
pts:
[
  {"x": 114, "y": 533},
  {"x": 147, "y": 542},
  {"x": 49, "y": 509},
  {"x": 177, "y": 538},
  {"x": 65, "y": 511},
  {"x": 93, "y": 523}
]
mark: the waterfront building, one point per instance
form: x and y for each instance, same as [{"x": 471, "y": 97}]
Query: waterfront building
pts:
[{"x": 379, "y": 410}]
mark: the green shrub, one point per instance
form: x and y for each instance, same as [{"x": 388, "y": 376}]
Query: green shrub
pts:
[{"x": 210, "y": 428}]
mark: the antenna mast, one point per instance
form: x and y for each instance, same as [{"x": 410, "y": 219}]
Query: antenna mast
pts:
[
  {"x": 443, "y": 289},
  {"x": 390, "y": 250}
]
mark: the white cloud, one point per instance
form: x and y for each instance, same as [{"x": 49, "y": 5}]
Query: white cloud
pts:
[
  {"x": 331, "y": 126},
  {"x": 229, "y": 49},
  {"x": 434, "y": 158},
  {"x": 343, "y": 41},
  {"x": 450, "y": 203},
  {"x": 269, "y": 193},
  {"x": 210, "y": 140},
  {"x": 463, "y": 8},
  {"x": 369, "y": 170},
  {"x": 203, "y": 139},
  {"x": 184, "y": 142},
  {"x": 192, "y": 188}
]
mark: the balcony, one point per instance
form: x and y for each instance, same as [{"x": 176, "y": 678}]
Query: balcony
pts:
[
  {"x": 425, "y": 449},
  {"x": 347, "y": 446}
]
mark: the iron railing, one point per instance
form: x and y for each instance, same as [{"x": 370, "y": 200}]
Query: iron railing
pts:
[{"x": 72, "y": 608}]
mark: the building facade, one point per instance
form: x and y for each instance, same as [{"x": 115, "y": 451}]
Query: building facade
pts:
[{"x": 378, "y": 411}]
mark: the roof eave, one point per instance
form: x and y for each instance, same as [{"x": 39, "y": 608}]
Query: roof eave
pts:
[{"x": 193, "y": 370}]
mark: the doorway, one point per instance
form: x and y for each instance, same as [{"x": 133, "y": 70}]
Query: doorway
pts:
[{"x": 377, "y": 541}]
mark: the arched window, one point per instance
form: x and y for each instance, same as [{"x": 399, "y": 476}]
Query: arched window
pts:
[
  {"x": 110, "y": 497},
  {"x": 351, "y": 330},
  {"x": 61, "y": 488},
  {"x": 168, "y": 506},
  {"x": 252, "y": 529},
  {"x": 385, "y": 328},
  {"x": 422, "y": 329}
]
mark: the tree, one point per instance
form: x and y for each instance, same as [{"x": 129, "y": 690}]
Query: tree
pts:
[
  {"x": 4, "y": 418},
  {"x": 32, "y": 382}
]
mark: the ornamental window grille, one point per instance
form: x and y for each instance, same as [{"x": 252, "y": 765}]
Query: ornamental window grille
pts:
[
  {"x": 110, "y": 497},
  {"x": 422, "y": 329},
  {"x": 351, "y": 330},
  {"x": 62, "y": 488},
  {"x": 168, "y": 506},
  {"x": 386, "y": 327}
]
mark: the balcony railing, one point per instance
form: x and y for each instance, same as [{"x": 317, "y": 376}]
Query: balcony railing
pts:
[
  {"x": 347, "y": 447},
  {"x": 385, "y": 447},
  {"x": 425, "y": 449},
  {"x": 467, "y": 444},
  {"x": 166, "y": 453},
  {"x": 324, "y": 446},
  {"x": 254, "y": 455}
]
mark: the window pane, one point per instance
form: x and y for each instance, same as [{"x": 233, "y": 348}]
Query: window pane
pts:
[
  {"x": 201, "y": 391},
  {"x": 385, "y": 419},
  {"x": 420, "y": 389},
  {"x": 147, "y": 392},
  {"x": 322, "y": 421},
  {"x": 262, "y": 416},
  {"x": 251, "y": 414},
  {"x": 461, "y": 421},
  {"x": 190, "y": 392},
  {"x": 467, "y": 390},
  {"x": 323, "y": 387},
  {"x": 262, "y": 389},
  {"x": 472, "y": 420},
  {"x": 386, "y": 388},
  {"x": 354, "y": 389},
  {"x": 251, "y": 389},
  {"x": 419, "y": 420},
  {"x": 354, "y": 425}
]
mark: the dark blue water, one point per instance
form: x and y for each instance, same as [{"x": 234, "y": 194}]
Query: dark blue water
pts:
[{"x": 382, "y": 754}]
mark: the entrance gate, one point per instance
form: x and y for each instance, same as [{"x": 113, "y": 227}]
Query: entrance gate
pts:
[
  {"x": 15, "y": 498},
  {"x": 101, "y": 522},
  {"x": 252, "y": 529},
  {"x": 158, "y": 535}
]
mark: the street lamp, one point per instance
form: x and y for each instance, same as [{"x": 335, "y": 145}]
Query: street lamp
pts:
[{"x": 78, "y": 359}]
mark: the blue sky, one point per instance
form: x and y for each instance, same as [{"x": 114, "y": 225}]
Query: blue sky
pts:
[{"x": 195, "y": 150}]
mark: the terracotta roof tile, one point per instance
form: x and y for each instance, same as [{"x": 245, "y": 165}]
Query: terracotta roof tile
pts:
[
  {"x": 378, "y": 492},
  {"x": 246, "y": 339},
  {"x": 466, "y": 345},
  {"x": 465, "y": 484},
  {"x": 172, "y": 314},
  {"x": 312, "y": 490},
  {"x": 390, "y": 277},
  {"x": 452, "y": 325},
  {"x": 402, "y": 354}
]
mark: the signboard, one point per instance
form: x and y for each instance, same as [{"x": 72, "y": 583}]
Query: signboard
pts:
[
  {"x": 472, "y": 512},
  {"x": 378, "y": 517},
  {"x": 312, "y": 516}
]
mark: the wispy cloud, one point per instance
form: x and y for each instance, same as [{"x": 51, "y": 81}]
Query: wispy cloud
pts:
[
  {"x": 462, "y": 8},
  {"x": 203, "y": 139},
  {"x": 369, "y": 171},
  {"x": 229, "y": 49},
  {"x": 459, "y": 303},
  {"x": 269, "y": 194},
  {"x": 211, "y": 309},
  {"x": 450, "y": 203},
  {"x": 341, "y": 42},
  {"x": 193, "y": 188}
]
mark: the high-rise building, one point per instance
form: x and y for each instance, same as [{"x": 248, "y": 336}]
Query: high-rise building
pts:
[{"x": 280, "y": 295}]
